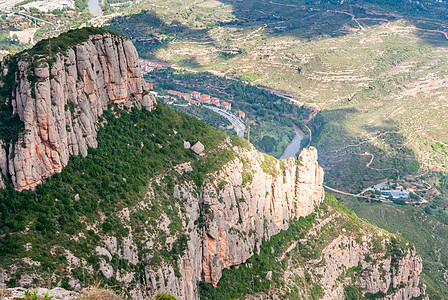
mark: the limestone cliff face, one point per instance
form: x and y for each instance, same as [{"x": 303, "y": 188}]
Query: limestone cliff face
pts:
[
  {"x": 263, "y": 206},
  {"x": 380, "y": 272},
  {"x": 60, "y": 103},
  {"x": 250, "y": 199}
]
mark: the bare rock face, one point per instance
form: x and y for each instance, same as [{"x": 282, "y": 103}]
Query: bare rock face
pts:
[
  {"x": 249, "y": 200},
  {"x": 396, "y": 277},
  {"x": 3, "y": 164},
  {"x": 61, "y": 103},
  {"x": 198, "y": 148},
  {"x": 263, "y": 206}
]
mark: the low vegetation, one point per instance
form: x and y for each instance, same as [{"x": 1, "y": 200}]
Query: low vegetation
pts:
[
  {"x": 134, "y": 147},
  {"x": 276, "y": 256}
]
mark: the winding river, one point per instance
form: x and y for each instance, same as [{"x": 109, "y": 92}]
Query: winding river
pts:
[
  {"x": 94, "y": 8},
  {"x": 294, "y": 147}
]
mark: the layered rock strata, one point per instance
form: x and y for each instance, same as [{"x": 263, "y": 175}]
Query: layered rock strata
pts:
[{"x": 61, "y": 100}]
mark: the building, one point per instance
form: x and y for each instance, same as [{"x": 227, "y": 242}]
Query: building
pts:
[
  {"x": 150, "y": 86},
  {"x": 381, "y": 186},
  {"x": 194, "y": 102},
  {"x": 226, "y": 105},
  {"x": 205, "y": 100},
  {"x": 395, "y": 194},
  {"x": 185, "y": 96},
  {"x": 195, "y": 95},
  {"x": 214, "y": 99},
  {"x": 205, "y": 97},
  {"x": 216, "y": 103},
  {"x": 240, "y": 114}
]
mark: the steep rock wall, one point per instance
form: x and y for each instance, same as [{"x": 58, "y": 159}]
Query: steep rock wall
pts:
[
  {"x": 258, "y": 198},
  {"x": 60, "y": 102},
  {"x": 250, "y": 199}
]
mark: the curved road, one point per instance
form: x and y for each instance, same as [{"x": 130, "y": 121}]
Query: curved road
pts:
[{"x": 237, "y": 123}]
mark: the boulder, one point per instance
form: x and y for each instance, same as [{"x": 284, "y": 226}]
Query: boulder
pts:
[{"x": 198, "y": 148}]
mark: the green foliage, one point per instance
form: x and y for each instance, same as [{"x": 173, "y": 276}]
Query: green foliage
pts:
[
  {"x": 269, "y": 165},
  {"x": 114, "y": 175},
  {"x": 378, "y": 295},
  {"x": 165, "y": 296},
  {"x": 10, "y": 124},
  {"x": 81, "y": 4},
  {"x": 65, "y": 41},
  {"x": 352, "y": 293},
  {"x": 267, "y": 144}
]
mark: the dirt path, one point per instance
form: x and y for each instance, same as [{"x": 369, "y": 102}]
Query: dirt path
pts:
[
  {"x": 344, "y": 193},
  {"x": 371, "y": 161},
  {"x": 290, "y": 248},
  {"x": 349, "y": 14}
]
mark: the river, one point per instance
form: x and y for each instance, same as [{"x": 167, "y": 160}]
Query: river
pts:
[
  {"x": 294, "y": 146},
  {"x": 94, "y": 8}
]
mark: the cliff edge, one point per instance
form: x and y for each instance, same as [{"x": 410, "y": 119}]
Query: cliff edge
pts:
[{"x": 60, "y": 98}]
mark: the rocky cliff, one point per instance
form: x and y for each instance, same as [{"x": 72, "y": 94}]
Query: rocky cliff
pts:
[
  {"x": 60, "y": 99},
  {"x": 254, "y": 197},
  {"x": 156, "y": 216}
]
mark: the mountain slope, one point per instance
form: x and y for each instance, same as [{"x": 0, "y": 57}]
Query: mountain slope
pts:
[{"x": 142, "y": 212}]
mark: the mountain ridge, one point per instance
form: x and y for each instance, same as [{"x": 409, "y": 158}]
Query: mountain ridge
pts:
[{"x": 142, "y": 212}]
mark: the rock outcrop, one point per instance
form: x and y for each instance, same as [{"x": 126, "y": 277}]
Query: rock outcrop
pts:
[
  {"x": 61, "y": 99},
  {"x": 264, "y": 206},
  {"x": 395, "y": 277},
  {"x": 189, "y": 227},
  {"x": 250, "y": 200}
]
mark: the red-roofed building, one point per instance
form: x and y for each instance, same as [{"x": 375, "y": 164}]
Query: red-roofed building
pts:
[
  {"x": 150, "y": 86},
  {"x": 240, "y": 114},
  {"x": 195, "y": 95},
  {"x": 214, "y": 99},
  {"x": 205, "y": 96},
  {"x": 205, "y": 100},
  {"x": 226, "y": 105},
  {"x": 185, "y": 96},
  {"x": 215, "y": 103},
  {"x": 194, "y": 102}
]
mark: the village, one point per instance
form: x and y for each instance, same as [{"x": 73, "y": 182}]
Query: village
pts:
[
  {"x": 179, "y": 98},
  {"x": 395, "y": 191},
  {"x": 223, "y": 108}
]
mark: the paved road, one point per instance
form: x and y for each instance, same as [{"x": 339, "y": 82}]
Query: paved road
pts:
[
  {"x": 237, "y": 123},
  {"x": 25, "y": 15}
]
